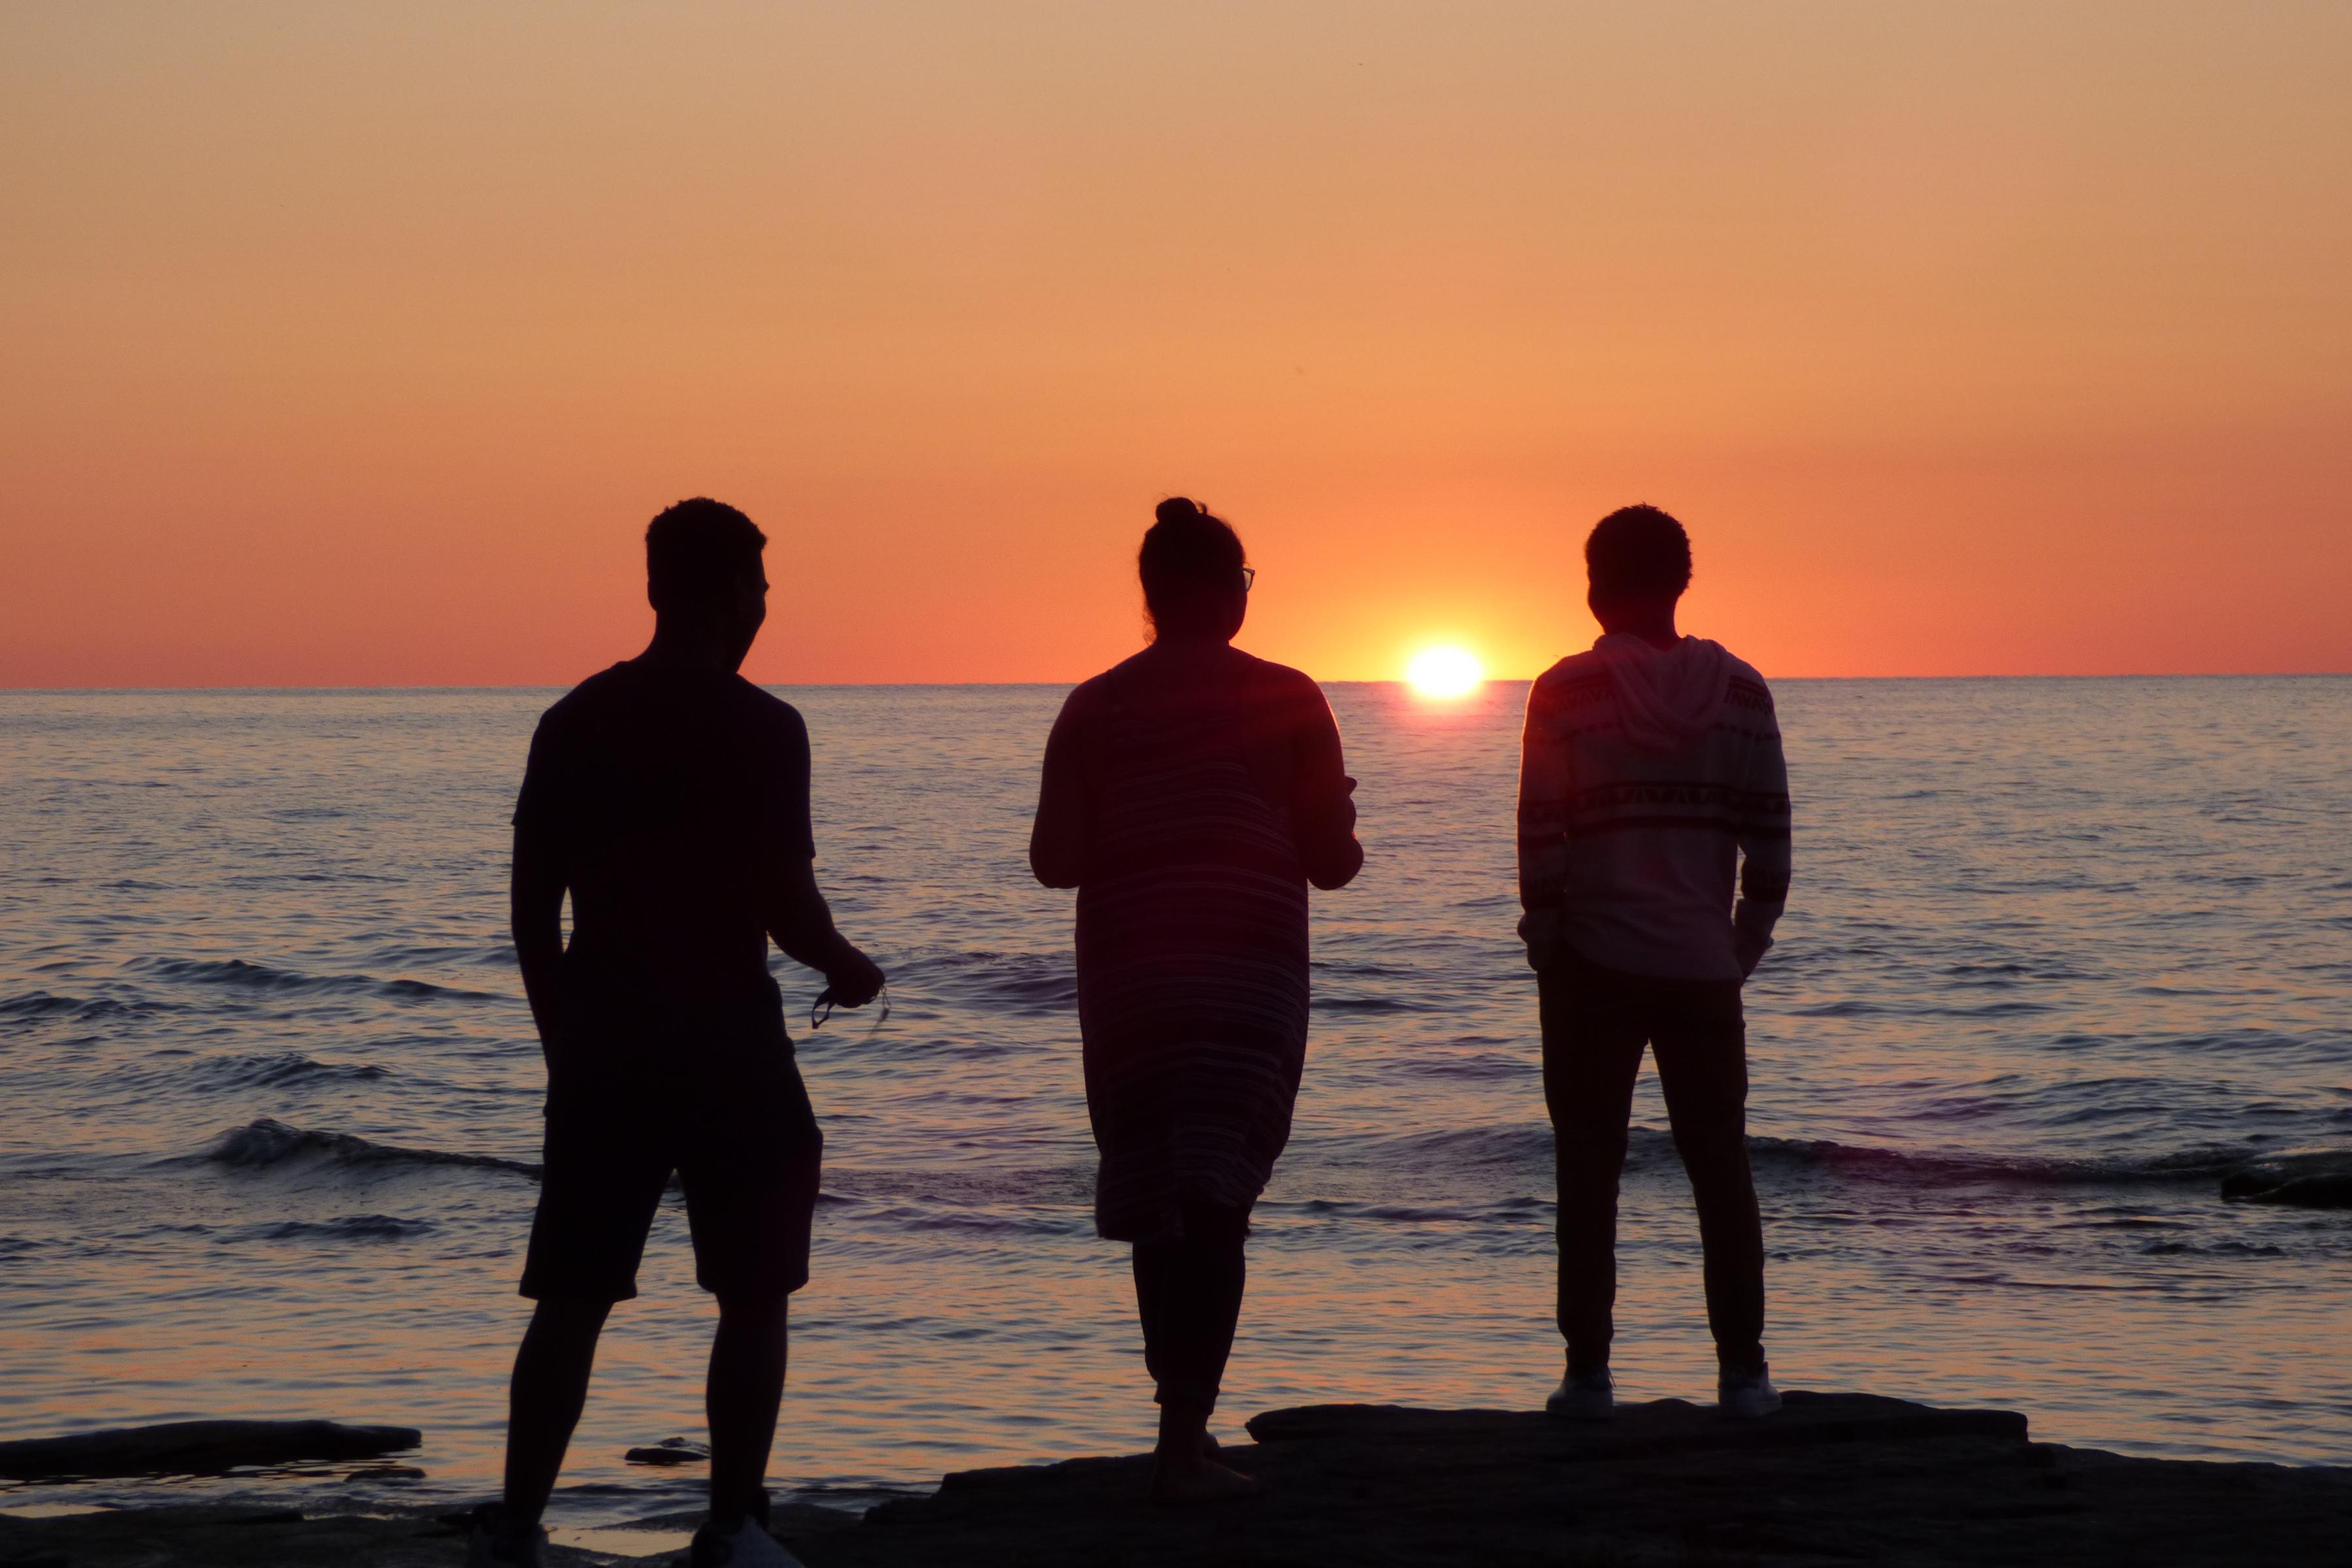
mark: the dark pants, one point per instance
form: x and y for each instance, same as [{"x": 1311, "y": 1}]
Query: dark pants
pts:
[
  {"x": 1188, "y": 1291},
  {"x": 1595, "y": 1023}
]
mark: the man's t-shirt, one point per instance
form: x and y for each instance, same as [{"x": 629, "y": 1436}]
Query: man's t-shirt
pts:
[{"x": 672, "y": 799}]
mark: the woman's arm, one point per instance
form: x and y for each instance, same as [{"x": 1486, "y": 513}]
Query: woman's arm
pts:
[
  {"x": 1322, "y": 807},
  {"x": 1057, "y": 840}
]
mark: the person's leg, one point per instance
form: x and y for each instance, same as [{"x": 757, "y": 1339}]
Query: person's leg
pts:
[
  {"x": 1702, "y": 1051},
  {"x": 1189, "y": 1295},
  {"x": 750, "y": 1160},
  {"x": 599, "y": 1187},
  {"x": 544, "y": 1400},
  {"x": 1593, "y": 1039},
  {"x": 745, "y": 1388}
]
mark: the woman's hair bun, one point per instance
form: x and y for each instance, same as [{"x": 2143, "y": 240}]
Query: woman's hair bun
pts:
[{"x": 1186, "y": 551}]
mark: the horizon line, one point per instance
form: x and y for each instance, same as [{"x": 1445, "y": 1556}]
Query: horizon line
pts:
[{"x": 912, "y": 685}]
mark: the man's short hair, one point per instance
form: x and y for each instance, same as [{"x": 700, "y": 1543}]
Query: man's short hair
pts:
[
  {"x": 697, "y": 548},
  {"x": 1637, "y": 553}
]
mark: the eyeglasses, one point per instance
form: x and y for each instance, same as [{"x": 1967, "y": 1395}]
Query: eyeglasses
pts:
[
  {"x": 817, "y": 1020},
  {"x": 1249, "y": 576}
]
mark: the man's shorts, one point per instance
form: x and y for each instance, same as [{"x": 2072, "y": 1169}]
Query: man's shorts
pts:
[{"x": 731, "y": 1120}]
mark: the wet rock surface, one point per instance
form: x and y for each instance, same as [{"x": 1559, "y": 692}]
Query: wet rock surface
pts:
[
  {"x": 1832, "y": 1478},
  {"x": 669, "y": 1451},
  {"x": 1836, "y": 1478},
  {"x": 218, "y": 1535},
  {"x": 198, "y": 1448}
]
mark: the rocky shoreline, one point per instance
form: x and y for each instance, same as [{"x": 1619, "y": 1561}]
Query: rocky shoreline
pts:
[{"x": 1836, "y": 1478}]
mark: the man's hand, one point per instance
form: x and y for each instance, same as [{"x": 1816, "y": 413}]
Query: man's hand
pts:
[
  {"x": 852, "y": 979},
  {"x": 1539, "y": 929},
  {"x": 1749, "y": 952}
]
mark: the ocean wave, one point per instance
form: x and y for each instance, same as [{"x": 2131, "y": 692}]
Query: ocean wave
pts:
[
  {"x": 981, "y": 1223},
  {"x": 231, "y": 972},
  {"x": 342, "y": 1228},
  {"x": 1026, "y": 984},
  {"x": 2308, "y": 1179},
  {"x": 239, "y": 973},
  {"x": 1524, "y": 1147},
  {"x": 269, "y": 1143},
  {"x": 1370, "y": 1004},
  {"x": 1512, "y": 1212},
  {"x": 1859, "y": 1009},
  {"x": 2010, "y": 973},
  {"x": 2312, "y": 1179},
  {"x": 285, "y": 1068},
  {"x": 2227, "y": 1250},
  {"x": 1326, "y": 969},
  {"x": 491, "y": 955},
  {"x": 35, "y": 1005},
  {"x": 1941, "y": 1167},
  {"x": 1045, "y": 1185},
  {"x": 1475, "y": 1067}
]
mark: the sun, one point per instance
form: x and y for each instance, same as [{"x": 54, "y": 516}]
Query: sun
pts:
[{"x": 1444, "y": 672}]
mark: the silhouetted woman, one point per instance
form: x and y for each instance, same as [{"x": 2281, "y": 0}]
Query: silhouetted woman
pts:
[{"x": 1191, "y": 793}]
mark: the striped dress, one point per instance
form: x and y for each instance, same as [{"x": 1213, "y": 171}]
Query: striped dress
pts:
[{"x": 1192, "y": 957}]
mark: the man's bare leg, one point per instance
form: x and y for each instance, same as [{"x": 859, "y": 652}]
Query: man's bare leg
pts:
[
  {"x": 745, "y": 1387},
  {"x": 543, "y": 1402}
]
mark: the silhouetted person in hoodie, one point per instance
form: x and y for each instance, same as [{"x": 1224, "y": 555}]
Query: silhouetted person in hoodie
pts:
[
  {"x": 669, "y": 797},
  {"x": 1650, "y": 775}
]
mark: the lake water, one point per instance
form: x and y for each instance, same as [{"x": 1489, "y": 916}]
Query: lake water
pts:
[{"x": 2063, "y": 958}]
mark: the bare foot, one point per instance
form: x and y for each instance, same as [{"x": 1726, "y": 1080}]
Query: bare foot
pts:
[{"x": 1200, "y": 1479}]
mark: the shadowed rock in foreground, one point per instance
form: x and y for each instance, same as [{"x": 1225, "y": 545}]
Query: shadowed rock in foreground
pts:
[
  {"x": 198, "y": 1448},
  {"x": 1833, "y": 1478},
  {"x": 1838, "y": 1477}
]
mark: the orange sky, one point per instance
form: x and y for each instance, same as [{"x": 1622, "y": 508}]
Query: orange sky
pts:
[{"x": 355, "y": 345}]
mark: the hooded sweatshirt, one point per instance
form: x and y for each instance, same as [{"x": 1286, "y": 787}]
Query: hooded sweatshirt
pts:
[{"x": 1647, "y": 776}]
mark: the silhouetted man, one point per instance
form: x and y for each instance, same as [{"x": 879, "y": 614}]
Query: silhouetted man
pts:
[
  {"x": 669, "y": 797},
  {"x": 1651, "y": 766}
]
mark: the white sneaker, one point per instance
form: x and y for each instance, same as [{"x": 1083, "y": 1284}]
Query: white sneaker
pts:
[
  {"x": 1583, "y": 1397},
  {"x": 748, "y": 1546},
  {"x": 1745, "y": 1395}
]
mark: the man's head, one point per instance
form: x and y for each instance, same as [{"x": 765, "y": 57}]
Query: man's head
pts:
[
  {"x": 1637, "y": 560},
  {"x": 704, "y": 576}
]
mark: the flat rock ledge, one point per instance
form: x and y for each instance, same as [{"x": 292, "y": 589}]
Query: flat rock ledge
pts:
[
  {"x": 1833, "y": 1479},
  {"x": 198, "y": 1448}
]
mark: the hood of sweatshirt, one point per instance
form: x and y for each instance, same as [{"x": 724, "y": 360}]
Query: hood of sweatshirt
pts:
[{"x": 1666, "y": 697}]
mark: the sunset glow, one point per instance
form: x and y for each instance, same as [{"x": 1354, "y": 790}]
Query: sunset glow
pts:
[
  {"x": 552, "y": 554},
  {"x": 1444, "y": 672},
  {"x": 1961, "y": 347}
]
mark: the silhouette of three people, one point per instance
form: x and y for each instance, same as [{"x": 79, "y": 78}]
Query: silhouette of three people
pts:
[{"x": 1190, "y": 794}]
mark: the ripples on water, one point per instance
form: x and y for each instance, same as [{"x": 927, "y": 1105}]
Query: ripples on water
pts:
[{"x": 2065, "y": 960}]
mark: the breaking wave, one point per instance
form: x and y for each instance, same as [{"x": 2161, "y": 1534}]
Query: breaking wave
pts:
[
  {"x": 2307, "y": 1179},
  {"x": 242, "y": 975},
  {"x": 2310, "y": 1179},
  {"x": 268, "y": 1143}
]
